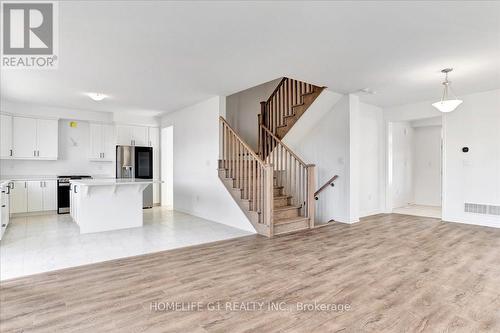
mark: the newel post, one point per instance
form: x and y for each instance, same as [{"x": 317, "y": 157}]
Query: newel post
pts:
[
  {"x": 262, "y": 119},
  {"x": 311, "y": 188},
  {"x": 269, "y": 197},
  {"x": 262, "y": 112}
]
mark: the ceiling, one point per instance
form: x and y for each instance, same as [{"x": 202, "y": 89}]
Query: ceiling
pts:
[{"x": 153, "y": 57}]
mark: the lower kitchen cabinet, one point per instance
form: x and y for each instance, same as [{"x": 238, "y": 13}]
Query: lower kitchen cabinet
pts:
[
  {"x": 4, "y": 209},
  {"x": 156, "y": 193},
  {"x": 18, "y": 197},
  {"x": 33, "y": 196}
]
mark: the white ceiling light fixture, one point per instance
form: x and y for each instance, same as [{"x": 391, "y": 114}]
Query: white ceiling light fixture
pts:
[
  {"x": 446, "y": 104},
  {"x": 97, "y": 96}
]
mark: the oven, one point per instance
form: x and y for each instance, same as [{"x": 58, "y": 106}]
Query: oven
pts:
[{"x": 63, "y": 189}]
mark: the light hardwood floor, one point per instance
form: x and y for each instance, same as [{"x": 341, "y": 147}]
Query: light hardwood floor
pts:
[{"x": 398, "y": 273}]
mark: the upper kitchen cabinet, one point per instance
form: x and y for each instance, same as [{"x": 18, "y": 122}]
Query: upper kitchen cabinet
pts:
[
  {"x": 102, "y": 142},
  {"x": 47, "y": 138},
  {"x": 24, "y": 137},
  {"x": 124, "y": 135},
  {"x": 140, "y": 135},
  {"x": 127, "y": 135},
  {"x": 34, "y": 138},
  {"x": 154, "y": 137},
  {"x": 5, "y": 136}
]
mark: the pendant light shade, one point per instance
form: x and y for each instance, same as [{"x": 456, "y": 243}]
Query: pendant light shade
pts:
[{"x": 446, "y": 104}]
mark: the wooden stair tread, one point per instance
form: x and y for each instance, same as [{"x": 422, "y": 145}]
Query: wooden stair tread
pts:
[
  {"x": 290, "y": 220},
  {"x": 286, "y": 208}
]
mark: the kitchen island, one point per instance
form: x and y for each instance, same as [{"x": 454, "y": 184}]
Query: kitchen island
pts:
[{"x": 107, "y": 204}]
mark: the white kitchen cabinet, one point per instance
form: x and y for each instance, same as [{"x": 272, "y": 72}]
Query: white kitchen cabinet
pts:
[
  {"x": 35, "y": 196},
  {"x": 47, "y": 138},
  {"x": 95, "y": 132},
  {"x": 5, "y": 136},
  {"x": 34, "y": 138},
  {"x": 140, "y": 136},
  {"x": 108, "y": 142},
  {"x": 124, "y": 135},
  {"x": 24, "y": 137},
  {"x": 74, "y": 198},
  {"x": 71, "y": 203},
  {"x": 128, "y": 135},
  {"x": 49, "y": 194},
  {"x": 154, "y": 137},
  {"x": 102, "y": 142},
  {"x": 18, "y": 197},
  {"x": 4, "y": 209}
]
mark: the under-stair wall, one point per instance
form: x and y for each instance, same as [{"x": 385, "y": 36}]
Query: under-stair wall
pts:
[{"x": 196, "y": 186}]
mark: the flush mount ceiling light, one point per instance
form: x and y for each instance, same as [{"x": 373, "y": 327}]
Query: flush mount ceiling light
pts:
[
  {"x": 446, "y": 104},
  {"x": 97, "y": 96}
]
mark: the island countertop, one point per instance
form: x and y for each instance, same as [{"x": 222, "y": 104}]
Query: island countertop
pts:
[{"x": 114, "y": 181}]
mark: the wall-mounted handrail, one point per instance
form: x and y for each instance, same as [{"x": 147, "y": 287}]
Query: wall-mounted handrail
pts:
[{"x": 330, "y": 182}]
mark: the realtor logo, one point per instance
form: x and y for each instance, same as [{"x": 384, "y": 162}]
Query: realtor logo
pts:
[{"x": 29, "y": 35}]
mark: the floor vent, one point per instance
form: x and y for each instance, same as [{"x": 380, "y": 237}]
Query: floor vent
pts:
[{"x": 482, "y": 209}]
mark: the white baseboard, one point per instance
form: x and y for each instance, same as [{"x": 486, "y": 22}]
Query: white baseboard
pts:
[{"x": 491, "y": 224}]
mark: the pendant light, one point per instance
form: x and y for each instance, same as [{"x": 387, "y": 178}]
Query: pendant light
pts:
[{"x": 446, "y": 104}]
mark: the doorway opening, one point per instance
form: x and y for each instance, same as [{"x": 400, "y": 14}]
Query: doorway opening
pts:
[{"x": 415, "y": 167}]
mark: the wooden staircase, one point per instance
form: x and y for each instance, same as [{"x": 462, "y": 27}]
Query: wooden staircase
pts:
[
  {"x": 288, "y": 102},
  {"x": 273, "y": 187}
]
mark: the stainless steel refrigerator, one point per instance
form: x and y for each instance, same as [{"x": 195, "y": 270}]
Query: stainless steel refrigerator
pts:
[{"x": 136, "y": 162}]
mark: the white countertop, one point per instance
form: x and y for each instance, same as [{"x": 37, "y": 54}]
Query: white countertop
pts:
[
  {"x": 27, "y": 177},
  {"x": 46, "y": 177},
  {"x": 113, "y": 181}
]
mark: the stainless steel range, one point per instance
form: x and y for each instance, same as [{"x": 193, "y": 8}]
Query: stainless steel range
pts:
[{"x": 63, "y": 192}]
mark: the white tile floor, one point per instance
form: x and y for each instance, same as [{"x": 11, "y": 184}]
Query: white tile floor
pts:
[
  {"x": 43, "y": 243},
  {"x": 419, "y": 210}
]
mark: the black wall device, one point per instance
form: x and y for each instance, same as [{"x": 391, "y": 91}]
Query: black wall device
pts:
[{"x": 465, "y": 149}]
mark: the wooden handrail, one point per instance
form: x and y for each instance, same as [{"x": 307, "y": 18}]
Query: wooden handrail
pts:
[
  {"x": 277, "y": 88},
  {"x": 284, "y": 145},
  {"x": 328, "y": 183},
  {"x": 247, "y": 172},
  {"x": 288, "y": 94},
  {"x": 257, "y": 157}
]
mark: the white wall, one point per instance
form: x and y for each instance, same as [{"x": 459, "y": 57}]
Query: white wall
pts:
[
  {"x": 73, "y": 142},
  {"x": 243, "y": 107},
  {"x": 197, "y": 187},
  {"x": 167, "y": 167},
  {"x": 472, "y": 177},
  {"x": 324, "y": 141},
  {"x": 427, "y": 165},
  {"x": 342, "y": 136},
  {"x": 467, "y": 177},
  {"x": 371, "y": 166},
  {"x": 401, "y": 159}
]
